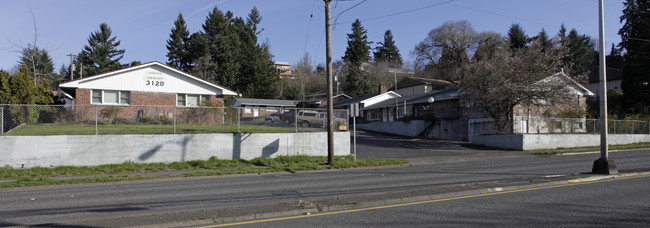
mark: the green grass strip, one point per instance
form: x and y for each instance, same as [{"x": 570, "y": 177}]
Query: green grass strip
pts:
[
  {"x": 594, "y": 149},
  {"x": 43, "y": 176}
]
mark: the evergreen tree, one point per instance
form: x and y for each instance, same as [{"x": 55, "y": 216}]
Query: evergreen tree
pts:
[
  {"x": 357, "y": 53},
  {"x": 101, "y": 54},
  {"x": 517, "y": 37},
  {"x": 177, "y": 50},
  {"x": 37, "y": 59},
  {"x": 580, "y": 53},
  {"x": 21, "y": 87},
  {"x": 5, "y": 89},
  {"x": 635, "y": 34},
  {"x": 388, "y": 52},
  {"x": 544, "y": 41},
  {"x": 615, "y": 58},
  {"x": 227, "y": 53}
]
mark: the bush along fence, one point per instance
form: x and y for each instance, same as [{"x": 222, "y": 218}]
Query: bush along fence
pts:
[{"x": 16, "y": 120}]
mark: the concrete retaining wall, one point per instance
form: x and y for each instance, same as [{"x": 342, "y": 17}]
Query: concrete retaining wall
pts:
[
  {"x": 90, "y": 150},
  {"x": 443, "y": 129},
  {"x": 553, "y": 141},
  {"x": 411, "y": 128}
]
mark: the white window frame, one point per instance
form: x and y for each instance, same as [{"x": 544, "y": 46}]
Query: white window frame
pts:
[
  {"x": 201, "y": 97},
  {"x": 94, "y": 92}
]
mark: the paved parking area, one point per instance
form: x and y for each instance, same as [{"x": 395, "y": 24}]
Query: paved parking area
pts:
[{"x": 376, "y": 145}]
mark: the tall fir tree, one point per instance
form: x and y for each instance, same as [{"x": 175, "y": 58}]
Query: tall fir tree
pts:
[
  {"x": 101, "y": 53},
  {"x": 580, "y": 53},
  {"x": 635, "y": 34},
  {"x": 38, "y": 60},
  {"x": 357, "y": 53},
  {"x": 517, "y": 37},
  {"x": 388, "y": 52},
  {"x": 544, "y": 41},
  {"x": 227, "y": 52},
  {"x": 177, "y": 50}
]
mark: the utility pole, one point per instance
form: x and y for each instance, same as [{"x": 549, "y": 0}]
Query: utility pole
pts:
[
  {"x": 330, "y": 106},
  {"x": 71, "y": 65},
  {"x": 603, "y": 165}
]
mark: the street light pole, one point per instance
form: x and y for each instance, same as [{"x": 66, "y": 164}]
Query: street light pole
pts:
[{"x": 603, "y": 165}]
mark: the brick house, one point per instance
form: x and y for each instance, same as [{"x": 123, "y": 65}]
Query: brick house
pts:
[
  {"x": 261, "y": 107},
  {"x": 152, "y": 89}
]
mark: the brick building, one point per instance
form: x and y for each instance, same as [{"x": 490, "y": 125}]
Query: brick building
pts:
[{"x": 152, "y": 90}]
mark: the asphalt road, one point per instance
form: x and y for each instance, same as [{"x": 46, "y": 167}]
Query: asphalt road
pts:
[
  {"x": 610, "y": 203},
  {"x": 438, "y": 167}
]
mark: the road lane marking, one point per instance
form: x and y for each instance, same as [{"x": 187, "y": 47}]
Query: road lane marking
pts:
[{"x": 623, "y": 177}]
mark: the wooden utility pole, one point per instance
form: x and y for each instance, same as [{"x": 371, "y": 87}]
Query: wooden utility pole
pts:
[
  {"x": 71, "y": 65},
  {"x": 330, "y": 106}
]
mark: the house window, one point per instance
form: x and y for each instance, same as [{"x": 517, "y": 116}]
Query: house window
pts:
[
  {"x": 272, "y": 109},
  {"x": 111, "y": 97},
  {"x": 191, "y": 100},
  {"x": 247, "y": 110},
  {"x": 373, "y": 114},
  {"x": 401, "y": 113}
]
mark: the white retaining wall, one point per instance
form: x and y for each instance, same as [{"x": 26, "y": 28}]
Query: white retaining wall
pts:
[
  {"x": 90, "y": 150},
  {"x": 411, "y": 128},
  {"x": 443, "y": 129},
  {"x": 553, "y": 141}
]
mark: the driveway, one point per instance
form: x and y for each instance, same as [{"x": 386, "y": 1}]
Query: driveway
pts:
[{"x": 376, "y": 145}]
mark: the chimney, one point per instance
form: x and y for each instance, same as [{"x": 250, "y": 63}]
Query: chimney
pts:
[{"x": 383, "y": 89}]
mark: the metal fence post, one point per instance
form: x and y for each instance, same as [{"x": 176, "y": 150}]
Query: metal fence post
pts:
[
  {"x": 96, "y": 131},
  {"x": 239, "y": 119},
  {"x": 174, "y": 119},
  {"x": 2, "y": 120}
]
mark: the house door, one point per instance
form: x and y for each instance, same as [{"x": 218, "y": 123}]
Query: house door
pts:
[
  {"x": 256, "y": 111},
  {"x": 390, "y": 115},
  {"x": 384, "y": 115}
]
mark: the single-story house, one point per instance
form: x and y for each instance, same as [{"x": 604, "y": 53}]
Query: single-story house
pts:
[
  {"x": 410, "y": 86},
  {"x": 445, "y": 108},
  {"x": 152, "y": 89},
  {"x": 253, "y": 107},
  {"x": 614, "y": 79}
]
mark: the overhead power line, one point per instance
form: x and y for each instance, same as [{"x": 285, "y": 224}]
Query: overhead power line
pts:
[{"x": 398, "y": 13}]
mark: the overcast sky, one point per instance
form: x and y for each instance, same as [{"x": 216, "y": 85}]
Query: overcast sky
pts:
[{"x": 292, "y": 27}]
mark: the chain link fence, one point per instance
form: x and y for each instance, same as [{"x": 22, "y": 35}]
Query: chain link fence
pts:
[
  {"x": 542, "y": 125},
  {"x": 18, "y": 120}
]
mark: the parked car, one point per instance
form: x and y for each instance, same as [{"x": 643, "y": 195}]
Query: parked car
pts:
[
  {"x": 288, "y": 117},
  {"x": 273, "y": 117},
  {"x": 307, "y": 118}
]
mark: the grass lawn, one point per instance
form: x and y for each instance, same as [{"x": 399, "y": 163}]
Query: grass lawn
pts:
[
  {"x": 120, "y": 172},
  {"x": 125, "y": 129},
  {"x": 594, "y": 149}
]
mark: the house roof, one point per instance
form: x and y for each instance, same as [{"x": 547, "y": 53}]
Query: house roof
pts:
[
  {"x": 416, "y": 81},
  {"x": 262, "y": 102},
  {"x": 447, "y": 94},
  {"x": 577, "y": 87},
  {"x": 368, "y": 100},
  {"x": 83, "y": 82},
  {"x": 612, "y": 74}
]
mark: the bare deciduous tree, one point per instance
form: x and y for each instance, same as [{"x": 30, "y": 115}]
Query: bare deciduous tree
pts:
[
  {"x": 446, "y": 50},
  {"x": 499, "y": 83}
]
